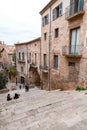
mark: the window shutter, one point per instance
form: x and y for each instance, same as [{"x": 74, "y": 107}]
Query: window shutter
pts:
[
  {"x": 54, "y": 14},
  {"x": 47, "y": 18},
  {"x": 43, "y": 21},
  {"x": 71, "y": 7},
  {"x": 60, "y": 9},
  {"x": 80, "y": 5}
]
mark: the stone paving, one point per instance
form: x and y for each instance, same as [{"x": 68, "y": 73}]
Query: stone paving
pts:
[{"x": 44, "y": 110}]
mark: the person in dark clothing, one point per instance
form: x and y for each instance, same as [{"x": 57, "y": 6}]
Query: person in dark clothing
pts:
[
  {"x": 20, "y": 86},
  {"x": 16, "y": 96},
  {"x": 26, "y": 88},
  {"x": 16, "y": 81},
  {"x": 8, "y": 97}
]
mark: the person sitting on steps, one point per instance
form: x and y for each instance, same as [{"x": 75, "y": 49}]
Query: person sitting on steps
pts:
[
  {"x": 9, "y": 97},
  {"x": 16, "y": 96}
]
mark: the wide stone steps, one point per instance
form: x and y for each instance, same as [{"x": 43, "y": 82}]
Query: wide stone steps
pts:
[{"x": 43, "y": 110}]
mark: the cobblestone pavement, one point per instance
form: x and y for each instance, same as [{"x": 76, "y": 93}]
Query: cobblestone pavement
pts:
[{"x": 44, "y": 110}]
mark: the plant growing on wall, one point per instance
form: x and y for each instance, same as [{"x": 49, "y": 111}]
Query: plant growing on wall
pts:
[
  {"x": 12, "y": 71},
  {"x": 14, "y": 58},
  {"x": 3, "y": 80}
]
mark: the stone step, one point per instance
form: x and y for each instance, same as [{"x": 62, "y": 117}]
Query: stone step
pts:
[{"x": 43, "y": 110}]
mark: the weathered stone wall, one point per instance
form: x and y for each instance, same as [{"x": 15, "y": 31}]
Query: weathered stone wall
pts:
[
  {"x": 30, "y": 49},
  {"x": 65, "y": 77}
]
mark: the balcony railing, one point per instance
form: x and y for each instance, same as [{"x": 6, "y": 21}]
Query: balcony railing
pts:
[
  {"x": 75, "y": 9},
  {"x": 29, "y": 61},
  {"x": 44, "y": 68},
  {"x": 21, "y": 60},
  {"x": 33, "y": 65},
  {"x": 72, "y": 51}
]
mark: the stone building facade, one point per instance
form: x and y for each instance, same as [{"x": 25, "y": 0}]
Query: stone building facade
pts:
[
  {"x": 3, "y": 56},
  {"x": 64, "y": 44},
  {"x": 6, "y": 55},
  {"x": 10, "y": 49},
  {"x": 28, "y": 62}
]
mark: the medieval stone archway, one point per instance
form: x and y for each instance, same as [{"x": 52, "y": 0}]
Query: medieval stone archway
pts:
[{"x": 34, "y": 77}]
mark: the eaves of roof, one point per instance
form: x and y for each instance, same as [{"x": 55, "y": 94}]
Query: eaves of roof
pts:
[{"x": 47, "y": 6}]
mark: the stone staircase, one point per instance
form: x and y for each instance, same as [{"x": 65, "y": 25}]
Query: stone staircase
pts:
[{"x": 44, "y": 110}]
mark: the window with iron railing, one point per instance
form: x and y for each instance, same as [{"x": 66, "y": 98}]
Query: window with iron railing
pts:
[
  {"x": 23, "y": 56},
  {"x": 55, "y": 61},
  {"x": 75, "y": 7},
  {"x": 74, "y": 40},
  {"x": 19, "y": 55}
]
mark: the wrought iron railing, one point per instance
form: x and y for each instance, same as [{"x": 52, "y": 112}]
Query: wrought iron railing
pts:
[
  {"x": 72, "y": 50},
  {"x": 43, "y": 67},
  {"x": 75, "y": 7},
  {"x": 29, "y": 60},
  {"x": 21, "y": 60},
  {"x": 33, "y": 65}
]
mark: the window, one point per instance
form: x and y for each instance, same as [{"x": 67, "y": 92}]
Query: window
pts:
[
  {"x": 23, "y": 56},
  {"x": 29, "y": 57},
  {"x": 19, "y": 56},
  {"x": 57, "y": 12},
  {"x": 76, "y": 6},
  {"x": 1, "y": 64},
  {"x": 45, "y": 36},
  {"x": 56, "y": 32},
  {"x": 22, "y": 69},
  {"x": 75, "y": 41},
  {"x": 45, "y": 20},
  {"x": 35, "y": 58},
  {"x": 0, "y": 54},
  {"x": 55, "y": 61},
  {"x": 71, "y": 64},
  {"x": 22, "y": 80},
  {"x": 45, "y": 59}
]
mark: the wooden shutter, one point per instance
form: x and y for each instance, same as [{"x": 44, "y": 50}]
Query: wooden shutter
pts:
[
  {"x": 47, "y": 18},
  {"x": 80, "y": 5},
  {"x": 54, "y": 14},
  {"x": 60, "y": 9},
  {"x": 43, "y": 21},
  {"x": 71, "y": 7}
]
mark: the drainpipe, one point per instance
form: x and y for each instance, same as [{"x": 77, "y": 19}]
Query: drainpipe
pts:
[
  {"x": 27, "y": 62},
  {"x": 40, "y": 68},
  {"x": 49, "y": 49}
]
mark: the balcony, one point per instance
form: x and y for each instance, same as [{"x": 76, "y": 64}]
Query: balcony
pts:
[
  {"x": 74, "y": 51},
  {"x": 21, "y": 61},
  {"x": 76, "y": 9},
  {"x": 29, "y": 61},
  {"x": 44, "y": 68},
  {"x": 33, "y": 65}
]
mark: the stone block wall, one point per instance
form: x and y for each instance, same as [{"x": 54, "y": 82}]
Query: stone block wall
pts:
[{"x": 65, "y": 77}]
